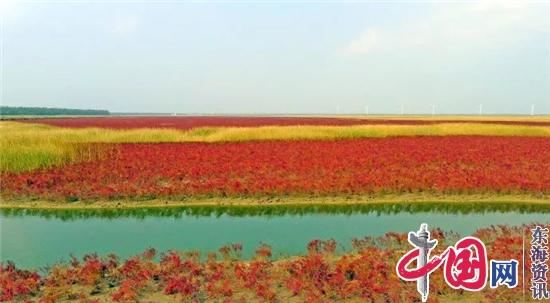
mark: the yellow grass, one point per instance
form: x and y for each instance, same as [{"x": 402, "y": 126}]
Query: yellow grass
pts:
[
  {"x": 25, "y": 146},
  {"x": 360, "y": 131},
  {"x": 471, "y": 118},
  {"x": 32, "y": 146}
]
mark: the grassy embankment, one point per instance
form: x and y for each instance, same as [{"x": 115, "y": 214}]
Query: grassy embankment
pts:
[
  {"x": 253, "y": 205},
  {"x": 26, "y": 147}
]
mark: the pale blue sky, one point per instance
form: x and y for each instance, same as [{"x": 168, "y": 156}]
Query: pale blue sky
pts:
[{"x": 246, "y": 57}]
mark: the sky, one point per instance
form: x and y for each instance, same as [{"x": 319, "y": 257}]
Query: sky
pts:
[{"x": 253, "y": 57}]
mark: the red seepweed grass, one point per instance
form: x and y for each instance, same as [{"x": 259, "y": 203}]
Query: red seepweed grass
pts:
[
  {"x": 460, "y": 164},
  {"x": 190, "y": 122}
]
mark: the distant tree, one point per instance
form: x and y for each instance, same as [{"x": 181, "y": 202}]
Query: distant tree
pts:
[{"x": 47, "y": 111}]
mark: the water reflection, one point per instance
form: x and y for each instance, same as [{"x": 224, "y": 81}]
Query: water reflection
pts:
[
  {"x": 281, "y": 210},
  {"x": 34, "y": 238}
]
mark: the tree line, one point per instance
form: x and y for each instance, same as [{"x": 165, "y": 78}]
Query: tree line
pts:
[{"x": 48, "y": 111}]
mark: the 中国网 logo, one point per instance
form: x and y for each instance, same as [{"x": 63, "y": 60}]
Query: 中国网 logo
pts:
[{"x": 464, "y": 265}]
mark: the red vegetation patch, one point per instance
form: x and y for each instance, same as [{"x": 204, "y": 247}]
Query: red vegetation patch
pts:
[
  {"x": 399, "y": 165},
  {"x": 365, "y": 274},
  {"x": 189, "y": 122}
]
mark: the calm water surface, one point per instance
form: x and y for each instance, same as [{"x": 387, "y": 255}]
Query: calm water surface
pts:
[{"x": 38, "y": 240}]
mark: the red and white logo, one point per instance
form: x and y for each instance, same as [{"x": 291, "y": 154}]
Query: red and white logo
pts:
[{"x": 464, "y": 264}]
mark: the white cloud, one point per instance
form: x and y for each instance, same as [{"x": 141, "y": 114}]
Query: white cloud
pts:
[
  {"x": 368, "y": 41},
  {"x": 6, "y": 6},
  {"x": 459, "y": 26},
  {"x": 125, "y": 25}
]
